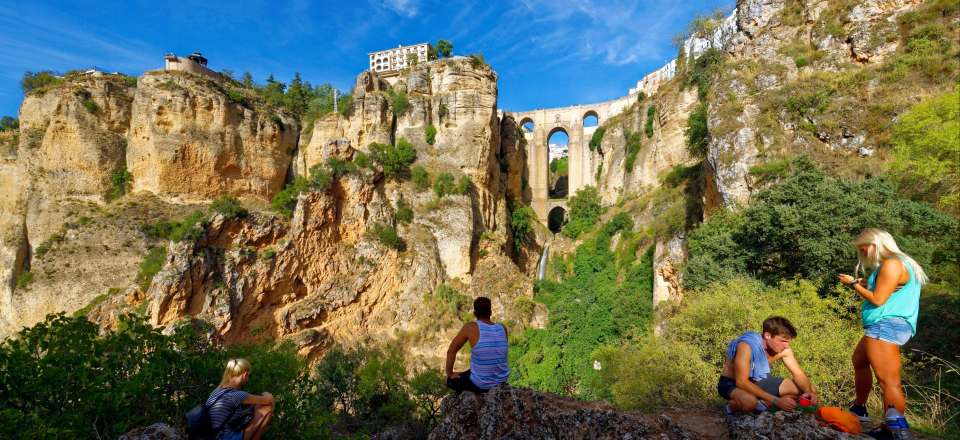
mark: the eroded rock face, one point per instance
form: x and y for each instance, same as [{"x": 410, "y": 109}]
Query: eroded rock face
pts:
[
  {"x": 189, "y": 141},
  {"x": 516, "y": 413}
]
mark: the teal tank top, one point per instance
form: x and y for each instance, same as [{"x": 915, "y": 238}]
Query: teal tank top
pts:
[{"x": 903, "y": 303}]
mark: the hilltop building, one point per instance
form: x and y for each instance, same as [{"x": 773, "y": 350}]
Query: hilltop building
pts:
[
  {"x": 193, "y": 63},
  {"x": 394, "y": 60}
]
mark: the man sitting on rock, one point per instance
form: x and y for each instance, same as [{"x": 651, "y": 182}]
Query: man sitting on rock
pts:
[
  {"x": 746, "y": 382},
  {"x": 488, "y": 357}
]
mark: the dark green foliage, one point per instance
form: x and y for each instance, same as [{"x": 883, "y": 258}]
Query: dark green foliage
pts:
[
  {"x": 60, "y": 377},
  {"x": 681, "y": 173},
  {"x": 477, "y": 61},
  {"x": 804, "y": 226},
  {"x": 641, "y": 96},
  {"x": 697, "y": 131},
  {"x": 449, "y": 300},
  {"x": 399, "y": 104},
  {"x": 442, "y": 111},
  {"x": 585, "y": 210},
  {"x": 420, "y": 177},
  {"x": 361, "y": 160},
  {"x": 464, "y": 185},
  {"x": 597, "y": 138},
  {"x": 704, "y": 68},
  {"x": 444, "y": 48},
  {"x": 651, "y": 116},
  {"x": 387, "y": 235},
  {"x": 560, "y": 166},
  {"x": 394, "y": 159},
  {"x": 521, "y": 224},
  {"x": 24, "y": 279},
  {"x": 286, "y": 200},
  {"x": 150, "y": 266},
  {"x": 129, "y": 80},
  {"x": 33, "y": 81},
  {"x": 633, "y": 145},
  {"x": 91, "y": 106},
  {"x": 9, "y": 123},
  {"x": 430, "y": 134},
  {"x": 404, "y": 212},
  {"x": 229, "y": 207},
  {"x": 443, "y": 185},
  {"x": 236, "y": 96},
  {"x": 120, "y": 181},
  {"x": 339, "y": 167},
  {"x": 602, "y": 300},
  {"x": 47, "y": 245}
]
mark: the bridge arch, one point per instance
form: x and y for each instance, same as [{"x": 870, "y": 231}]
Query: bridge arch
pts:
[
  {"x": 558, "y": 163},
  {"x": 557, "y": 218},
  {"x": 591, "y": 119},
  {"x": 527, "y": 125}
]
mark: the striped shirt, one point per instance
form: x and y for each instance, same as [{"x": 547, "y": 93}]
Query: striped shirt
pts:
[
  {"x": 220, "y": 408},
  {"x": 488, "y": 359}
]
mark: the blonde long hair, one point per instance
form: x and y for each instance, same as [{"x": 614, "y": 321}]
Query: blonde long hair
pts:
[
  {"x": 884, "y": 247},
  {"x": 235, "y": 368}
]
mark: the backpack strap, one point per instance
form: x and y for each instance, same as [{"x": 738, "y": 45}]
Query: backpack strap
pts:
[{"x": 232, "y": 411}]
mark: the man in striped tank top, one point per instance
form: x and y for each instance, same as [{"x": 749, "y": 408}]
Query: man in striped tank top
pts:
[{"x": 488, "y": 356}]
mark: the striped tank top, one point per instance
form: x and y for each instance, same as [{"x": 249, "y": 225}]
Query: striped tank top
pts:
[{"x": 488, "y": 359}]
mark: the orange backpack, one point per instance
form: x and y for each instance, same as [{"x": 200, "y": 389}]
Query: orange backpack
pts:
[{"x": 839, "y": 419}]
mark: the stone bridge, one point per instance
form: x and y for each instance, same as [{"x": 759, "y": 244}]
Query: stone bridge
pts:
[{"x": 582, "y": 170}]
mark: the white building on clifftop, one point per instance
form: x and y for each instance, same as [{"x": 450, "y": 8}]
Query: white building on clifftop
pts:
[
  {"x": 193, "y": 63},
  {"x": 392, "y": 60}
]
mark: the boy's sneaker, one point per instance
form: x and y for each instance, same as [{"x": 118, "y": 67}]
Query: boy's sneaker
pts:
[
  {"x": 730, "y": 416},
  {"x": 861, "y": 413}
]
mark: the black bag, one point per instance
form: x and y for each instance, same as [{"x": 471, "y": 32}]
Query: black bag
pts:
[
  {"x": 198, "y": 420},
  {"x": 240, "y": 418}
]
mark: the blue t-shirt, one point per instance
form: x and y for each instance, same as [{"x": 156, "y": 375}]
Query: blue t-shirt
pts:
[
  {"x": 220, "y": 408},
  {"x": 903, "y": 303},
  {"x": 759, "y": 364}
]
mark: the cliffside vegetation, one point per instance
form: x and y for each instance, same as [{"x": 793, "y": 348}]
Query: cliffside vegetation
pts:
[{"x": 61, "y": 379}]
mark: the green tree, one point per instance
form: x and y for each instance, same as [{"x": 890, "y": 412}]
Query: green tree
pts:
[
  {"x": 36, "y": 80},
  {"x": 521, "y": 224},
  {"x": 430, "y": 134},
  {"x": 585, "y": 210},
  {"x": 597, "y": 138},
  {"x": 9, "y": 123},
  {"x": 443, "y": 185},
  {"x": 651, "y": 116},
  {"x": 420, "y": 177},
  {"x": 399, "y": 104},
  {"x": 395, "y": 160},
  {"x": 247, "y": 80},
  {"x": 444, "y": 48},
  {"x": 229, "y": 207}
]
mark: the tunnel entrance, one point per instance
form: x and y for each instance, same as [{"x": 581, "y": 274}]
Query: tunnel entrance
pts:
[{"x": 556, "y": 219}]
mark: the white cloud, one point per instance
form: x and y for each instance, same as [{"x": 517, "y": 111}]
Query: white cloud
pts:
[{"x": 405, "y": 8}]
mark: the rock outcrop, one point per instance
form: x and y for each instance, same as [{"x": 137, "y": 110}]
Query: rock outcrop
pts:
[
  {"x": 190, "y": 141},
  {"x": 783, "y": 425},
  {"x": 516, "y": 413}
]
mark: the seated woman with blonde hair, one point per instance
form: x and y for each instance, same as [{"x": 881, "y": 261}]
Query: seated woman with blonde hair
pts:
[
  {"x": 228, "y": 417},
  {"x": 891, "y": 303}
]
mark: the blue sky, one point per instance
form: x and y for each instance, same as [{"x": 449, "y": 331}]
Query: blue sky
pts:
[{"x": 548, "y": 53}]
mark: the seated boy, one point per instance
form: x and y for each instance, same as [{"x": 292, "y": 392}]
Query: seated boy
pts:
[{"x": 746, "y": 382}]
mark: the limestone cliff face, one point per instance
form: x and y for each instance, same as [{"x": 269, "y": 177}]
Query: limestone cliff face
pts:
[
  {"x": 773, "y": 47},
  {"x": 189, "y": 141}
]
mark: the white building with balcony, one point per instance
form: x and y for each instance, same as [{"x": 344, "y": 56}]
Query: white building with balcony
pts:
[{"x": 393, "y": 60}]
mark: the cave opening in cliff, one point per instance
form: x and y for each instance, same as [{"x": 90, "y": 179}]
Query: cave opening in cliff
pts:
[
  {"x": 556, "y": 219},
  {"x": 558, "y": 164}
]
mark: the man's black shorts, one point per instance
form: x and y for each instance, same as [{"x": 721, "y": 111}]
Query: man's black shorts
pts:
[{"x": 770, "y": 384}]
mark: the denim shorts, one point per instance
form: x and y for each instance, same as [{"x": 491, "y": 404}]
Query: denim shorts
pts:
[{"x": 893, "y": 330}]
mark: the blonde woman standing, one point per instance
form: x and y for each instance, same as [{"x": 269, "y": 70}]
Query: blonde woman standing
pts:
[
  {"x": 891, "y": 304},
  {"x": 228, "y": 418}
]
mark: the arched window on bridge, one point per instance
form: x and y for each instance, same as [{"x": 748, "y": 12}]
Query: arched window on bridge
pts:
[
  {"x": 527, "y": 125},
  {"x": 591, "y": 119},
  {"x": 558, "y": 164}
]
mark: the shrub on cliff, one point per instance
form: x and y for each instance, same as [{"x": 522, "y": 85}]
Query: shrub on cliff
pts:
[
  {"x": 38, "y": 80},
  {"x": 521, "y": 224},
  {"x": 387, "y": 236},
  {"x": 394, "y": 159},
  {"x": 399, "y": 104},
  {"x": 430, "y": 134},
  {"x": 584, "y": 211},
  {"x": 597, "y": 138},
  {"x": 420, "y": 177},
  {"x": 9, "y": 123},
  {"x": 651, "y": 115},
  {"x": 697, "y": 132},
  {"x": 229, "y": 207},
  {"x": 151, "y": 266},
  {"x": 443, "y": 185},
  {"x": 804, "y": 226},
  {"x": 404, "y": 213},
  {"x": 120, "y": 181}
]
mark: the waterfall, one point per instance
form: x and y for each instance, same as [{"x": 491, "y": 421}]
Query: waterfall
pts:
[{"x": 542, "y": 265}]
